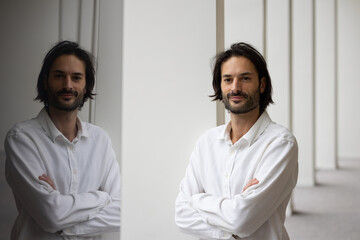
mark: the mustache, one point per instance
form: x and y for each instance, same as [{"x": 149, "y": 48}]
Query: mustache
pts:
[
  {"x": 238, "y": 93},
  {"x": 65, "y": 91}
]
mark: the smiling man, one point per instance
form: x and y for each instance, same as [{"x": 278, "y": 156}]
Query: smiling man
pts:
[
  {"x": 241, "y": 175},
  {"x": 63, "y": 171}
]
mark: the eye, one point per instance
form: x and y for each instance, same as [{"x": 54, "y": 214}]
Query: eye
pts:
[
  {"x": 246, "y": 78},
  {"x": 58, "y": 75},
  {"x": 227, "y": 80},
  {"x": 77, "y": 78}
]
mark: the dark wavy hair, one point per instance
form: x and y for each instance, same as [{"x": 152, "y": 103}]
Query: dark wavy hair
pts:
[
  {"x": 66, "y": 48},
  {"x": 248, "y": 51}
]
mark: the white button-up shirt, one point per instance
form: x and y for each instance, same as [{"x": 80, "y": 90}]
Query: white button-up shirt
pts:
[
  {"x": 211, "y": 203},
  {"x": 86, "y": 202}
]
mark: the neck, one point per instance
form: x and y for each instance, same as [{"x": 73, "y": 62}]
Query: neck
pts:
[
  {"x": 64, "y": 121},
  {"x": 241, "y": 123}
]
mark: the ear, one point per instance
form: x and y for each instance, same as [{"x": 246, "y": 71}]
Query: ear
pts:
[{"x": 262, "y": 84}]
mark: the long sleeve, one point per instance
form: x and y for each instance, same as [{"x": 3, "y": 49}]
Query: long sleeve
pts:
[
  {"x": 244, "y": 213},
  {"x": 49, "y": 208},
  {"x": 186, "y": 217},
  {"x": 108, "y": 219}
]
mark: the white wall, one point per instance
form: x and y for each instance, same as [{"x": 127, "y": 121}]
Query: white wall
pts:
[
  {"x": 348, "y": 84},
  {"x": 326, "y": 77},
  {"x": 26, "y": 35},
  {"x": 278, "y": 56},
  {"x": 166, "y": 81},
  {"x": 237, "y": 28},
  {"x": 303, "y": 88}
]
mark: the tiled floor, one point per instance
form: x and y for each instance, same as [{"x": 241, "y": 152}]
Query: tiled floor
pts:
[{"x": 331, "y": 209}]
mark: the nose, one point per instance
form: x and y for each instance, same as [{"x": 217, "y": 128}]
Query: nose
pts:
[
  {"x": 68, "y": 82},
  {"x": 236, "y": 85}
]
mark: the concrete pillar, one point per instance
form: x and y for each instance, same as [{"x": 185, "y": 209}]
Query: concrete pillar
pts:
[
  {"x": 348, "y": 37},
  {"x": 168, "y": 46},
  {"x": 326, "y": 82},
  {"x": 278, "y": 49},
  {"x": 244, "y": 22},
  {"x": 303, "y": 87}
]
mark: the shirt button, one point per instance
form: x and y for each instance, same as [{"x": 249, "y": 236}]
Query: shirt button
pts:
[{"x": 75, "y": 172}]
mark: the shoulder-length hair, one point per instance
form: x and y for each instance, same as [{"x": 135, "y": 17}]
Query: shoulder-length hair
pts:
[
  {"x": 66, "y": 48},
  {"x": 248, "y": 51}
]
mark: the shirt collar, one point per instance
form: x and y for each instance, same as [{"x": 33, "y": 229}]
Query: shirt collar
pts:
[
  {"x": 50, "y": 128},
  {"x": 255, "y": 131}
]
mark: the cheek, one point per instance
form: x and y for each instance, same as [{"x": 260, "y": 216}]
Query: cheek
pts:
[
  {"x": 224, "y": 87},
  {"x": 81, "y": 86}
]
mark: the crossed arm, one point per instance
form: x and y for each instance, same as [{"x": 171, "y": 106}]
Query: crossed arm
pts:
[
  {"x": 82, "y": 214},
  {"x": 207, "y": 215},
  {"x": 48, "y": 180}
]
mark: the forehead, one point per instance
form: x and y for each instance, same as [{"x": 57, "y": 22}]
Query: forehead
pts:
[
  {"x": 237, "y": 65},
  {"x": 68, "y": 63}
]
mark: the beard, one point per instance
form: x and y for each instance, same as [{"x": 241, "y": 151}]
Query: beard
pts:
[
  {"x": 251, "y": 101},
  {"x": 54, "y": 100}
]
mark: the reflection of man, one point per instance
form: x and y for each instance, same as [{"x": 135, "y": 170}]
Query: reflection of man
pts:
[
  {"x": 63, "y": 172},
  {"x": 241, "y": 175}
]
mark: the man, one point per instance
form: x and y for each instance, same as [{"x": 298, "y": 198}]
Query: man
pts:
[
  {"x": 63, "y": 172},
  {"x": 241, "y": 175}
]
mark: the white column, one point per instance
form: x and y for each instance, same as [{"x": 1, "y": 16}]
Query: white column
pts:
[
  {"x": 325, "y": 88},
  {"x": 109, "y": 71},
  {"x": 244, "y": 22},
  {"x": 69, "y": 20},
  {"x": 303, "y": 88},
  {"x": 278, "y": 49},
  {"x": 86, "y": 23},
  {"x": 278, "y": 56},
  {"x": 220, "y": 44},
  {"x": 108, "y": 110},
  {"x": 168, "y": 47},
  {"x": 348, "y": 80}
]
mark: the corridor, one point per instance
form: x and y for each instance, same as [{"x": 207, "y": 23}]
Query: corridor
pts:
[{"x": 331, "y": 209}]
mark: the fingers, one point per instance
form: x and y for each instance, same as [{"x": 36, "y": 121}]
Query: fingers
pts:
[
  {"x": 251, "y": 183},
  {"x": 47, "y": 179}
]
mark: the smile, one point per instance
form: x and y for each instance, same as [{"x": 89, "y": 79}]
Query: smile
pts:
[{"x": 236, "y": 98}]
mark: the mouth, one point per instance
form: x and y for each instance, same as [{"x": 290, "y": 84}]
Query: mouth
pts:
[
  {"x": 67, "y": 95},
  {"x": 236, "y": 98}
]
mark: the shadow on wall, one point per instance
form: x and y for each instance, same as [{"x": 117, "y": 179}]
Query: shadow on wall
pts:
[{"x": 8, "y": 210}]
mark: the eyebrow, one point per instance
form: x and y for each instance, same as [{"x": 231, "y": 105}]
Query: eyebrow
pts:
[
  {"x": 75, "y": 73},
  {"x": 241, "y": 74}
]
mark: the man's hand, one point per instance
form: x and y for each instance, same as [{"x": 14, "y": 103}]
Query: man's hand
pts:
[
  {"x": 47, "y": 179},
  {"x": 252, "y": 182}
]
